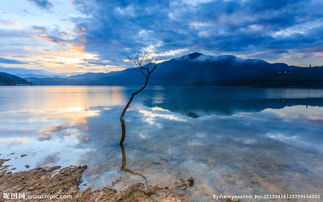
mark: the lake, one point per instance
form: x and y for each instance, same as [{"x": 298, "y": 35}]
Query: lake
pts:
[{"x": 230, "y": 140}]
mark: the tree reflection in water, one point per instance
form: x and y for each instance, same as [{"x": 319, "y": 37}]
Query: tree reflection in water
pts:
[{"x": 125, "y": 169}]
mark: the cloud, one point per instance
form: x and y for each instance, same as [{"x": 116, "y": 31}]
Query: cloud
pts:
[
  {"x": 44, "y": 4},
  {"x": 11, "y": 61},
  {"x": 278, "y": 31},
  {"x": 51, "y": 39},
  {"x": 38, "y": 29},
  {"x": 14, "y": 141},
  {"x": 218, "y": 26},
  {"x": 6, "y": 23},
  {"x": 126, "y": 11}
]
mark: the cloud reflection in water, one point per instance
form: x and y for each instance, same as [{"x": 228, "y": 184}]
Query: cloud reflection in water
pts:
[{"x": 235, "y": 144}]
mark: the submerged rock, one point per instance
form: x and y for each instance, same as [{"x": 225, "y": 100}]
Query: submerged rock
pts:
[{"x": 190, "y": 181}]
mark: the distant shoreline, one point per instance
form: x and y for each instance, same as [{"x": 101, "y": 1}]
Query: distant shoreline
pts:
[{"x": 195, "y": 85}]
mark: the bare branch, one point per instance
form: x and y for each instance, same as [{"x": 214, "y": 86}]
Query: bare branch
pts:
[
  {"x": 146, "y": 65},
  {"x": 142, "y": 72}
]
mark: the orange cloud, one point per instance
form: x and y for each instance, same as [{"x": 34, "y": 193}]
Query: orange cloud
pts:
[
  {"x": 67, "y": 56},
  {"x": 80, "y": 120},
  {"x": 50, "y": 39},
  {"x": 78, "y": 48},
  {"x": 11, "y": 24},
  {"x": 14, "y": 141},
  {"x": 55, "y": 128}
]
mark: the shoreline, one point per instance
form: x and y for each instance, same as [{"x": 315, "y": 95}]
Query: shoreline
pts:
[{"x": 65, "y": 181}]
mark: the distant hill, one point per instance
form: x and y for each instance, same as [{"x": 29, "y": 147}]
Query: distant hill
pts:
[
  {"x": 89, "y": 76},
  {"x": 24, "y": 72},
  {"x": 12, "y": 80},
  {"x": 200, "y": 69}
]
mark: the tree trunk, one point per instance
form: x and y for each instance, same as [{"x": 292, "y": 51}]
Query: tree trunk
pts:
[{"x": 123, "y": 124}]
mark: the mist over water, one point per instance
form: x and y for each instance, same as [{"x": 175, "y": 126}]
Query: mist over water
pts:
[{"x": 229, "y": 139}]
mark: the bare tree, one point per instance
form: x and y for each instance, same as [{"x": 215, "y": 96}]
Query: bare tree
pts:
[{"x": 146, "y": 64}]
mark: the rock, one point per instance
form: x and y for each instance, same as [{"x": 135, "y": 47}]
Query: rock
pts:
[
  {"x": 2, "y": 161},
  {"x": 27, "y": 166},
  {"x": 190, "y": 181},
  {"x": 185, "y": 184},
  {"x": 66, "y": 181},
  {"x": 23, "y": 155}
]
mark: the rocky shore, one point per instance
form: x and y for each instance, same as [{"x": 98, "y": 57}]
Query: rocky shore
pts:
[{"x": 58, "y": 181}]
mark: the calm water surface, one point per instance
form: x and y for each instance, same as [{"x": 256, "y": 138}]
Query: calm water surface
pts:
[{"x": 229, "y": 139}]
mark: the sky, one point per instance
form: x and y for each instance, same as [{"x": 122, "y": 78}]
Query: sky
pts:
[{"x": 71, "y": 36}]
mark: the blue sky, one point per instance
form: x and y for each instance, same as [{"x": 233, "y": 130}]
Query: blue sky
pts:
[{"x": 93, "y": 35}]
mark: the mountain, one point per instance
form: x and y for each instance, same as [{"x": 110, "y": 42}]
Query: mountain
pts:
[
  {"x": 25, "y": 73},
  {"x": 12, "y": 80},
  {"x": 80, "y": 79},
  {"x": 200, "y": 69},
  {"x": 227, "y": 70},
  {"x": 89, "y": 76}
]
